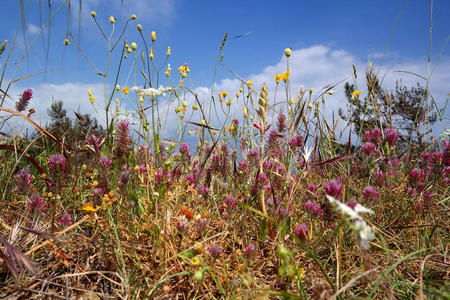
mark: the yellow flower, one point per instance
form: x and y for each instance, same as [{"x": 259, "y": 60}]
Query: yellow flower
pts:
[
  {"x": 189, "y": 132},
  {"x": 133, "y": 46},
  {"x": 244, "y": 108},
  {"x": 278, "y": 78},
  {"x": 311, "y": 90},
  {"x": 181, "y": 69},
  {"x": 93, "y": 14},
  {"x": 194, "y": 106},
  {"x": 126, "y": 90},
  {"x": 292, "y": 100},
  {"x": 214, "y": 132},
  {"x": 237, "y": 94},
  {"x": 139, "y": 27},
  {"x": 133, "y": 17},
  {"x": 285, "y": 75},
  {"x": 90, "y": 92},
  {"x": 112, "y": 20},
  {"x": 168, "y": 51},
  {"x": 356, "y": 93},
  {"x": 331, "y": 92},
  {"x": 151, "y": 53},
  {"x": 230, "y": 128},
  {"x": 184, "y": 103},
  {"x": 203, "y": 122},
  {"x": 300, "y": 272},
  {"x": 195, "y": 261},
  {"x": 66, "y": 42},
  {"x": 153, "y": 36},
  {"x": 88, "y": 207},
  {"x": 249, "y": 83},
  {"x": 177, "y": 109},
  {"x": 92, "y": 99},
  {"x": 229, "y": 102},
  {"x": 287, "y": 52}
]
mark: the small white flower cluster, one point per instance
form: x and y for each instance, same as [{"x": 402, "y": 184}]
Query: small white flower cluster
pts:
[
  {"x": 365, "y": 231},
  {"x": 151, "y": 92},
  {"x": 445, "y": 134}
]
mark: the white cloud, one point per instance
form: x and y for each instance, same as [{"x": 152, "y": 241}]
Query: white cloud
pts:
[{"x": 32, "y": 29}]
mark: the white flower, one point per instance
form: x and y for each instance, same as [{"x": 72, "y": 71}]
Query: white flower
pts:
[
  {"x": 151, "y": 92},
  {"x": 307, "y": 152},
  {"x": 364, "y": 230}
]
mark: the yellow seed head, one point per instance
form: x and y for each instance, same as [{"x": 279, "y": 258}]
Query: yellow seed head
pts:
[
  {"x": 168, "y": 51},
  {"x": 287, "y": 52},
  {"x": 93, "y": 14},
  {"x": 177, "y": 109},
  {"x": 117, "y": 87},
  {"x": 194, "y": 107},
  {"x": 249, "y": 83},
  {"x": 133, "y": 46},
  {"x": 112, "y": 20},
  {"x": 90, "y": 92},
  {"x": 311, "y": 90},
  {"x": 153, "y": 36},
  {"x": 151, "y": 53},
  {"x": 129, "y": 50},
  {"x": 331, "y": 92},
  {"x": 139, "y": 27},
  {"x": 92, "y": 99},
  {"x": 66, "y": 42},
  {"x": 133, "y": 17},
  {"x": 214, "y": 132},
  {"x": 310, "y": 105}
]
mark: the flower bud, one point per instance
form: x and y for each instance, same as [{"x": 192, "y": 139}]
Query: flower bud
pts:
[
  {"x": 133, "y": 46},
  {"x": 93, "y": 14},
  {"x": 153, "y": 36},
  {"x": 139, "y": 27},
  {"x": 112, "y": 20},
  {"x": 133, "y": 17},
  {"x": 287, "y": 52}
]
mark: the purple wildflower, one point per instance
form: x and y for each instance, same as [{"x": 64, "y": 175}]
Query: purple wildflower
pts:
[
  {"x": 230, "y": 202},
  {"x": 36, "y": 203},
  {"x": 123, "y": 139},
  {"x": 23, "y": 180},
  {"x": 105, "y": 162},
  {"x": 65, "y": 220},
  {"x": 22, "y": 104},
  {"x": 370, "y": 193},
  {"x": 301, "y": 232},
  {"x": 250, "y": 250},
  {"x": 391, "y": 136},
  {"x": 215, "y": 251},
  {"x": 368, "y": 148},
  {"x": 93, "y": 141},
  {"x": 334, "y": 188},
  {"x": 281, "y": 124}
]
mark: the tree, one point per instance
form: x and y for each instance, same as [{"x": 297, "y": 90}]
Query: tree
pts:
[
  {"x": 403, "y": 108},
  {"x": 62, "y": 127}
]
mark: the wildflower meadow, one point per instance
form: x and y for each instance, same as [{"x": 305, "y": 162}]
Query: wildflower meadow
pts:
[{"x": 257, "y": 192}]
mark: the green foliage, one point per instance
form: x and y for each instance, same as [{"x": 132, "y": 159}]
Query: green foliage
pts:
[{"x": 404, "y": 108}]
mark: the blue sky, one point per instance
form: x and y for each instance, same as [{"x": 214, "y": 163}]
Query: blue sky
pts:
[{"x": 326, "y": 37}]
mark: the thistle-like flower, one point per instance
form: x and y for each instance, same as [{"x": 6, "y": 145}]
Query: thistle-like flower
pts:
[
  {"x": 123, "y": 139},
  {"x": 22, "y": 104}
]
